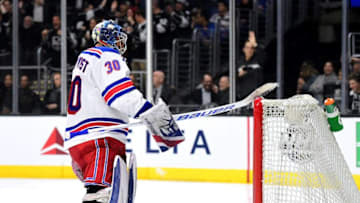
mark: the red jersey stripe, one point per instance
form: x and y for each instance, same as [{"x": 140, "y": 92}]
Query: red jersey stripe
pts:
[
  {"x": 95, "y": 50},
  {"x": 117, "y": 89},
  {"x": 92, "y": 125}
]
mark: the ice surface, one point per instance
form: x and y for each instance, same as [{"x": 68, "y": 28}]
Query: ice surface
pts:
[{"x": 71, "y": 191}]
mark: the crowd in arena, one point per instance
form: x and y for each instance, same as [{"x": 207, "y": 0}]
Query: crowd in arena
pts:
[
  {"x": 40, "y": 27},
  {"x": 328, "y": 84},
  {"x": 40, "y": 24}
]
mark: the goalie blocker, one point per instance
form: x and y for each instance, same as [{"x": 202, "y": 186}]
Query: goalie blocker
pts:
[{"x": 162, "y": 126}]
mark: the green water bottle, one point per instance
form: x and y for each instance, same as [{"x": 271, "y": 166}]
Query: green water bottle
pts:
[{"x": 333, "y": 115}]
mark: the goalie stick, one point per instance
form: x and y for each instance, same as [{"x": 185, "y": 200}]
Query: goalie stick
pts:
[{"x": 96, "y": 133}]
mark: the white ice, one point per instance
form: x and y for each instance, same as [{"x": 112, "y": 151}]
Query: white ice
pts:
[{"x": 71, "y": 191}]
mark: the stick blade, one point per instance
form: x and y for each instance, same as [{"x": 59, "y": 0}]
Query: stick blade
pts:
[
  {"x": 268, "y": 87},
  {"x": 264, "y": 89}
]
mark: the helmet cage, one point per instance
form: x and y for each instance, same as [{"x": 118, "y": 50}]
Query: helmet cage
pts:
[{"x": 110, "y": 34}]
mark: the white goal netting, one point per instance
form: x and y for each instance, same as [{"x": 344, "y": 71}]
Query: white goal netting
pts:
[{"x": 302, "y": 162}]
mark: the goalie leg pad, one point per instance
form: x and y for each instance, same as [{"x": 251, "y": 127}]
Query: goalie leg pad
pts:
[
  {"x": 120, "y": 179},
  {"x": 132, "y": 178}
]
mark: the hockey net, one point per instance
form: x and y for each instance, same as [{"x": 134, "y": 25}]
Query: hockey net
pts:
[{"x": 296, "y": 156}]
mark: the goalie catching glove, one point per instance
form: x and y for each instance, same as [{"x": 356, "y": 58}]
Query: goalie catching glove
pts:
[{"x": 162, "y": 126}]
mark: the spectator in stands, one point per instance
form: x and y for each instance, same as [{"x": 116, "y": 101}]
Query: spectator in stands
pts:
[
  {"x": 133, "y": 39},
  {"x": 337, "y": 91},
  {"x": 300, "y": 85},
  {"x": 86, "y": 11},
  {"x": 169, "y": 9},
  {"x": 250, "y": 68},
  {"x": 130, "y": 23},
  {"x": 355, "y": 66},
  {"x": 308, "y": 74},
  {"x": 29, "y": 38},
  {"x": 95, "y": 9},
  {"x": 37, "y": 10},
  {"x": 325, "y": 84},
  {"x": 245, "y": 4},
  {"x": 121, "y": 14},
  {"x": 5, "y": 45},
  {"x": 42, "y": 10},
  {"x": 114, "y": 10},
  {"x": 181, "y": 19},
  {"x": 354, "y": 100},
  {"x": 206, "y": 94},
  {"x": 29, "y": 102},
  {"x": 205, "y": 29},
  {"x": 6, "y": 10},
  {"x": 160, "y": 90},
  {"x": 222, "y": 16},
  {"x": 52, "y": 97},
  {"x": 51, "y": 42},
  {"x": 355, "y": 59},
  {"x": 138, "y": 36},
  {"x": 85, "y": 35},
  {"x": 6, "y": 97},
  {"x": 89, "y": 11},
  {"x": 162, "y": 34},
  {"x": 39, "y": 15},
  {"x": 223, "y": 93}
]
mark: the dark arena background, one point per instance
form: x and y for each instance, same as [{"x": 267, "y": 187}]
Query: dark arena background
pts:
[{"x": 194, "y": 55}]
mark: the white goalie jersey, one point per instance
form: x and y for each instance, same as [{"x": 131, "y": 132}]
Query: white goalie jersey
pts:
[{"x": 101, "y": 94}]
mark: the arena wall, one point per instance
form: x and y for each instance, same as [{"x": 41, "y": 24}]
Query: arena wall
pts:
[{"x": 216, "y": 149}]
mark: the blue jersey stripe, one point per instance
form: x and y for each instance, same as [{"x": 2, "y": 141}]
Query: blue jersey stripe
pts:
[
  {"x": 103, "y": 181},
  {"x": 144, "y": 108},
  {"x": 85, "y": 131},
  {"x": 94, "y": 119},
  {"x": 114, "y": 84},
  {"x": 119, "y": 94},
  {"x": 96, "y": 159},
  {"x": 91, "y": 53}
]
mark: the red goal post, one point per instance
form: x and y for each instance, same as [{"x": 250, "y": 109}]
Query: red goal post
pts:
[{"x": 257, "y": 163}]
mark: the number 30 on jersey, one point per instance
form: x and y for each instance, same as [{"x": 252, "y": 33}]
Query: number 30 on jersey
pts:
[
  {"x": 113, "y": 65},
  {"x": 74, "y": 103}
]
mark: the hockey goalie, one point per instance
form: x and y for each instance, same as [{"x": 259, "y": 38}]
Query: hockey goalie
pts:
[{"x": 102, "y": 94}]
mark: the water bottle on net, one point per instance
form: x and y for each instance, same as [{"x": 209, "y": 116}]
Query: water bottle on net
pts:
[{"x": 333, "y": 115}]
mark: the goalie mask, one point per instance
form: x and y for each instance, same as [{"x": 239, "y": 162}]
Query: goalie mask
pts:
[{"x": 109, "y": 34}]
